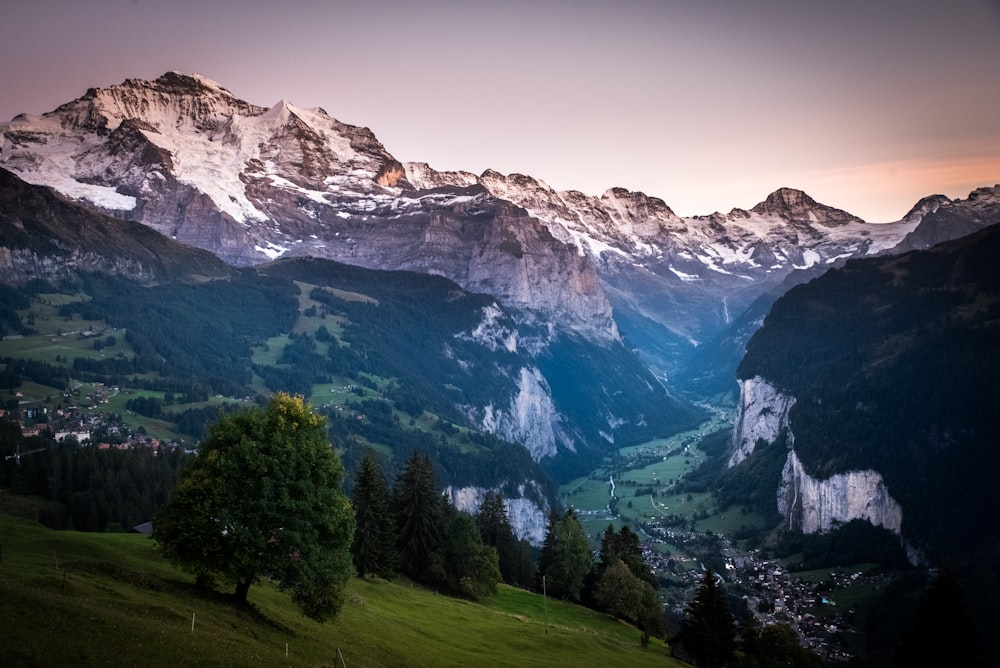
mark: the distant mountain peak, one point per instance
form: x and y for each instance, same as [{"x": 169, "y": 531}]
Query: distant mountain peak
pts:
[
  {"x": 785, "y": 201},
  {"x": 796, "y": 206},
  {"x": 925, "y": 206},
  {"x": 181, "y": 80}
]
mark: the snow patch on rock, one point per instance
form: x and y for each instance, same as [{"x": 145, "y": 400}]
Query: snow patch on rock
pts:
[{"x": 493, "y": 332}]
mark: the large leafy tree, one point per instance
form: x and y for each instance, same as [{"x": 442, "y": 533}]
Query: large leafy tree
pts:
[
  {"x": 374, "y": 547},
  {"x": 565, "y": 557},
  {"x": 620, "y": 592},
  {"x": 708, "y": 631},
  {"x": 263, "y": 497},
  {"x": 626, "y": 596}
]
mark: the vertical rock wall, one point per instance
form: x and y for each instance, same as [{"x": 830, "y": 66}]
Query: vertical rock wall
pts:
[
  {"x": 816, "y": 506},
  {"x": 761, "y": 415},
  {"x": 809, "y": 505}
]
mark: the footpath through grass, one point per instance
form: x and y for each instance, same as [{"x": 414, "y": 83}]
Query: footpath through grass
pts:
[{"x": 79, "y": 599}]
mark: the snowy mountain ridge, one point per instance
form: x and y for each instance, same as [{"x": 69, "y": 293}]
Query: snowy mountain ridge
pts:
[{"x": 186, "y": 157}]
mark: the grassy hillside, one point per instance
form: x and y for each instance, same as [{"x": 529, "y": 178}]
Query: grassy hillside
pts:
[{"x": 80, "y": 599}]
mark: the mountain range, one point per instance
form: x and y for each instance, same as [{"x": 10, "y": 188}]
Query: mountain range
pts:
[
  {"x": 250, "y": 184},
  {"x": 608, "y": 316}
]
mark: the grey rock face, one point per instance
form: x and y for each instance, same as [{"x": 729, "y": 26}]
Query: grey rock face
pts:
[
  {"x": 187, "y": 158},
  {"x": 761, "y": 415},
  {"x": 808, "y": 504},
  {"x": 817, "y": 506}
]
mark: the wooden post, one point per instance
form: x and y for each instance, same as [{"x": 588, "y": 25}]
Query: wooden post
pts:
[{"x": 545, "y": 606}]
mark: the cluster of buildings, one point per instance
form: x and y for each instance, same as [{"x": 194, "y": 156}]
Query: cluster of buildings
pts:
[
  {"x": 71, "y": 423},
  {"x": 771, "y": 592}
]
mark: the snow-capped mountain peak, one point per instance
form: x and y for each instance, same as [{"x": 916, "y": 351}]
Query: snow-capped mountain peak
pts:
[{"x": 187, "y": 157}]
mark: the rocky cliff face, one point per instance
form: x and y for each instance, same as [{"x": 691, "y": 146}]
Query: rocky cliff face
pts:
[
  {"x": 808, "y": 504},
  {"x": 43, "y": 236},
  {"x": 816, "y": 506},
  {"x": 527, "y": 517},
  {"x": 184, "y": 156},
  {"x": 676, "y": 283},
  {"x": 761, "y": 415},
  {"x": 942, "y": 219},
  {"x": 530, "y": 419},
  {"x": 893, "y": 362}
]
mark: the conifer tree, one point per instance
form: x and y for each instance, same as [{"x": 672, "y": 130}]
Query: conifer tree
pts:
[
  {"x": 472, "y": 569},
  {"x": 708, "y": 631},
  {"x": 624, "y": 546},
  {"x": 417, "y": 507},
  {"x": 374, "y": 547},
  {"x": 547, "y": 553},
  {"x": 565, "y": 559},
  {"x": 497, "y": 532}
]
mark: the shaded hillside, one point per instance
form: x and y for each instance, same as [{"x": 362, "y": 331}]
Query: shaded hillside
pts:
[
  {"x": 460, "y": 355},
  {"x": 893, "y": 363},
  {"x": 44, "y": 235},
  {"x": 384, "y": 370}
]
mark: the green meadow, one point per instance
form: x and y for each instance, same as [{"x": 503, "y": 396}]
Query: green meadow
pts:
[{"x": 79, "y": 599}]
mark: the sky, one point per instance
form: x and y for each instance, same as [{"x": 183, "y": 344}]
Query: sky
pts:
[{"x": 866, "y": 105}]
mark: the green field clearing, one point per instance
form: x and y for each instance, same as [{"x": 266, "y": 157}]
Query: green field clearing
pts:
[
  {"x": 646, "y": 508},
  {"x": 43, "y": 315},
  {"x": 586, "y": 494},
  {"x": 823, "y": 574},
  {"x": 730, "y": 521},
  {"x": 335, "y": 393},
  {"x": 268, "y": 354},
  {"x": 666, "y": 471},
  {"x": 50, "y": 348},
  {"x": 595, "y": 522}
]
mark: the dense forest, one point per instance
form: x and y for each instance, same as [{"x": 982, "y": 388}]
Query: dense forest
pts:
[
  {"x": 408, "y": 338},
  {"x": 89, "y": 488}
]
